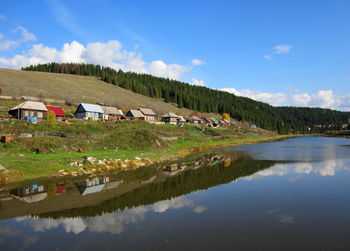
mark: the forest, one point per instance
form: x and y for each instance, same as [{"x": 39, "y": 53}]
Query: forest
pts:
[{"x": 202, "y": 99}]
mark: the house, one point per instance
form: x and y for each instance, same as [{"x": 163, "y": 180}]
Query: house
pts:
[
  {"x": 112, "y": 113},
  {"x": 92, "y": 185},
  {"x": 135, "y": 114},
  {"x": 215, "y": 122},
  {"x": 194, "y": 120},
  {"x": 29, "y": 110},
  {"x": 57, "y": 110},
  {"x": 31, "y": 193},
  {"x": 150, "y": 115},
  {"x": 89, "y": 111},
  {"x": 181, "y": 120},
  {"x": 208, "y": 121},
  {"x": 170, "y": 118}
]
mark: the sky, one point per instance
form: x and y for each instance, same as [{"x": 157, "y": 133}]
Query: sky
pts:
[{"x": 281, "y": 52}]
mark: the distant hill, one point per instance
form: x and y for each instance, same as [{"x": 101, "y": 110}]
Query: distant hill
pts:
[
  {"x": 202, "y": 99},
  {"x": 76, "y": 89}
]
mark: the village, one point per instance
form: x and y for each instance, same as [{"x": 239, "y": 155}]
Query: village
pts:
[{"x": 32, "y": 110}]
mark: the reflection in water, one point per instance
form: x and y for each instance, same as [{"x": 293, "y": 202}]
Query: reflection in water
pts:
[
  {"x": 324, "y": 168},
  {"x": 194, "y": 203},
  {"x": 111, "y": 222}
]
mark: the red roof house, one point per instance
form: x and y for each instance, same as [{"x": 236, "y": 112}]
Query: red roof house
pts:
[{"x": 57, "y": 110}]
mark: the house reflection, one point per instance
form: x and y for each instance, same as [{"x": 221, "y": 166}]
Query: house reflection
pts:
[
  {"x": 92, "y": 185},
  {"x": 31, "y": 193}
]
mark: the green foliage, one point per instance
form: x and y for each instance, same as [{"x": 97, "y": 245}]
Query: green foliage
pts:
[
  {"x": 51, "y": 118},
  {"x": 202, "y": 99}
]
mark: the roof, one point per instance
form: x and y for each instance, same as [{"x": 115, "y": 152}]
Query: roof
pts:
[
  {"x": 91, "y": 108},
  {"x": 92, "y": 189},
  {"x": 170, "y": 115},
  {"x": 112, "y": 110},
  {"x": 195, "y": 118},
  {"x": 182, "y": 119},
  {"x": 30, "y": 105},
  {"x": 208, "y": 120},
  {"x": 214, "y": 120},
  {"x": 56, "y": 109},
  {"x": 136, "y": 113},
  {"x": 34, "y": 198},
  {"x": 147, "y": 111}
]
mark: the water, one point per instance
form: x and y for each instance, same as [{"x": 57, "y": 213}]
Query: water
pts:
[{"x": 287, "y": 195}]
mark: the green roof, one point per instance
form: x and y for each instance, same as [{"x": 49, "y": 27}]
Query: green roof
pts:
[{"x": 214, "y": 120}]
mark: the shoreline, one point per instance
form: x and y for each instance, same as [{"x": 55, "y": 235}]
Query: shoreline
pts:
[{"x": 175, "y": 150}]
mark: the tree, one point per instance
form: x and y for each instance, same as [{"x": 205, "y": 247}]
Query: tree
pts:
[
  {"x": 226, "y": 116},
  {"x": 51, "y": 118}
]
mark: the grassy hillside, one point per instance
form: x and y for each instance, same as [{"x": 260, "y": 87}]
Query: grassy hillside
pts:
[
  {"x": 203, "y": 99},
  {"x": 77, "y": 89}
]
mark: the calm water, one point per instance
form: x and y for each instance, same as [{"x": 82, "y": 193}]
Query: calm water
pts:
[{"x": 286, "y": 195}]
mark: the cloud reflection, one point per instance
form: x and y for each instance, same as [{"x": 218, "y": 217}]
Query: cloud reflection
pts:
[
  {"x": 323, "y": 168},
  {"x": 113, "y": 223}
]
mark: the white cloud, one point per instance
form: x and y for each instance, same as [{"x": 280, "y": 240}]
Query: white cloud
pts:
[
  {"x": 161, "y": 69},
  {"x": 323, "y": 98},
  {"x": 109, "y": 54},
  {"x": 26, "y": 35},
  {"x": 267, "y": 57},
  {"x": 270, "y": 98},
  {"x": 197, "y": 82},
  {"x": 282, "y": 49},
  {"x": 8, "y": 45},
  {"x": 197, "y": 62},
  {"x": 12, "y": 44}
]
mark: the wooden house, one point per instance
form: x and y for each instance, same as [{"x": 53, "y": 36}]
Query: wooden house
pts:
[
  {"x": 194, "y": 120},
  {"x": 57, "y": 110},
  {"x": 112, "y": 113},
  {"x": 149, "y": 114},
  {"x": 170, "y": 118},
  {"x": 29, "y": 111},
  {"x": 135, "y": 115},
  {"x": 89, "y": 111}
]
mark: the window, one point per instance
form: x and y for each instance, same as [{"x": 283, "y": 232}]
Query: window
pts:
[
  {"x": 40, "y": 114},
  {"x": 26, "y": 113},
  {"x": 32, "y": 114}
]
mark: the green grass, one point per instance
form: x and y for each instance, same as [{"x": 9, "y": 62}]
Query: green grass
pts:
[{"x": 133, "y": 139}]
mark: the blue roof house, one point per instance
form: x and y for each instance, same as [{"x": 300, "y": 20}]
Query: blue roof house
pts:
[{"x": 89, "y": 111}]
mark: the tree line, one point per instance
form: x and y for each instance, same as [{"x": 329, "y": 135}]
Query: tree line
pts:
[{"x": 203, "y": 99}]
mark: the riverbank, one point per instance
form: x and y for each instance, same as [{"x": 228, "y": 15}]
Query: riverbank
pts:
[{"x": 124, "y": 145}]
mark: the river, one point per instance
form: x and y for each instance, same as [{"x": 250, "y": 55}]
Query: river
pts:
[{"x": 292, "y": 194}]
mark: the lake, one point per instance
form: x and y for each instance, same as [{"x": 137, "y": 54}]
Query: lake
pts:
[{"x": 292, "y": 194}]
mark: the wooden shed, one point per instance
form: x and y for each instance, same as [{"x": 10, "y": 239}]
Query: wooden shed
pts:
[
  {"x": 149, "y": 114},
  {"x": 112, "y": 113},
  {"x": 135, "y": 114},
  {"x": 170, "y": 118},
  {"x": 29, "y": 110}
]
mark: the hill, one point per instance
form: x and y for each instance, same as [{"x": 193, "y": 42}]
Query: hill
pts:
[
  {"x": 202, "y": 99},
  {"x": 76, "y": 89}
]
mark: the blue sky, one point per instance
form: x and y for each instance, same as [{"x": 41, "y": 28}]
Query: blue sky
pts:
[{"x": 280, "y": 52}]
